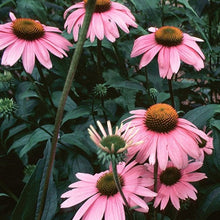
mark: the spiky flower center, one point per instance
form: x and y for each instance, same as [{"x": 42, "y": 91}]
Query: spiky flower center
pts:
[
  {"x": 202, "y": 143},
  {"x": 161, "y": 118},
  {"x": 169, "y": 36},
  {"x": 27, "y": 29},
  {"x": 170, "y": 176},
  {"x": 101, "y": 5},
  {"x": 106, "y": 184},
  {"x": 113, "y": 142}
]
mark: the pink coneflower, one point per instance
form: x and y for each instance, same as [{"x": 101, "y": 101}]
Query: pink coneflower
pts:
[
  {"x": 206, "y": 147},
  {"x": 174, "y": 184},
  {"x": 164, "y": 136},
  {"x": 101, "y": 194},
  {"x": 106, "y": 17},
  {"x": 172, "y": 46},
  {"x": 27, "y": 38},
  {"x": 113, "y": 142}
]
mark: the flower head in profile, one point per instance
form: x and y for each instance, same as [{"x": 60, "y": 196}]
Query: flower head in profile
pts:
[
  {"x": 27, "y": 38},
  {"x": 165, "y": 136},
  {"x": 101, "y": 194},
  {"x": 105, "y": 19},
  {"x": 113, "y": 143},
  {"x": 174, "y": 184},
  {"x": 205, "y": 146},
  {"x": 172, "y": 46}
]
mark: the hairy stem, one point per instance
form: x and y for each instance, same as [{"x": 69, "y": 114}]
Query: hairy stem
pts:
[{"x": 90, "y": 6}]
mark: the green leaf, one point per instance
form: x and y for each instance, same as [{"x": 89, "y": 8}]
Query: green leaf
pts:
[
  {"x": 76, "y": 139},
  {"x": 15, "y": 130},
  {"x": 210, "y": 204},
  {"x": 162, "y": 97},
  {"x": 51, "y": 197},
  {"x": 27, "y": 204},
  {"x": 37, "y": 136},
  {"x": 20, "y": 142},
  {"x": 216, "y": 141},
  {"x": 81, "y": 111},
  {"x": 70, "y": 104},
  {"x": 187, "y": 5},
  {"x": 32, "y": 9},
  {"x": 199, "y": 116}
]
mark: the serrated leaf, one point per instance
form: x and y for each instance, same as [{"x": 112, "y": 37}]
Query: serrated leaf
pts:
[{"x": 199, "y": 116}]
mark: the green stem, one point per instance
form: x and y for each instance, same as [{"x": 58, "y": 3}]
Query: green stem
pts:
[
  {"x": 118, "y": 185},
  {"x": 155, "y": 184},
  {"x": 8, "y": 192},
  {"x": 171, "y": 92},
  {"x": 90, "y": 6}
]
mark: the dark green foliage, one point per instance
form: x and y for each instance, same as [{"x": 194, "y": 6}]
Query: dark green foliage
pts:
[{"x": 25, "y": 135}]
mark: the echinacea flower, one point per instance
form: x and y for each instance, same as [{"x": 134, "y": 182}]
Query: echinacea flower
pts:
[
  {"x": 105, "y": 19},
  {"x": 101, "y": 194},
  {"x": 174, "y": 184},
  {"x": 164, "y": 135},
  {"x": 27, "y": 38},
  {"x": 172, "y": 46},
  {"x": 206, "y": 147},
  {"x": 113, "y": 142}
]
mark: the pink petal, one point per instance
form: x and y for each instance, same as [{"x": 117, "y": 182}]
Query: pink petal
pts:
[
  {"x": 114, "y": 209},
  {"x": 97, "y": 25},
  {"x": 76, "y": 196},
  {"x": 77, "y": 5},
  {"x": 85, "y": 207},
  {"x": 174, "y": 59},
  {"x": 194, "y": 46},
  {"x": 28, "y": 58},
  {"x": 164, "y": 61},
  {"x": 97, "y": 210},
  {"x": 42, "y": 54},
  {"x": 162, "y": 152},
  {"x": 13, "y": 52},
  {"x": 149, "y": 55}
]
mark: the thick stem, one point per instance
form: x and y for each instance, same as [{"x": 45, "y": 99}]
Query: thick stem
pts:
[
  {"x": 90, "y": 6},
  {"x": 171, "y": 92},
  {"x": 118, "y": 185}
]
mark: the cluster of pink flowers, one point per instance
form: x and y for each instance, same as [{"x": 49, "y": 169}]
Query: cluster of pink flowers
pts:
[{"x": 149, "y": 138}]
